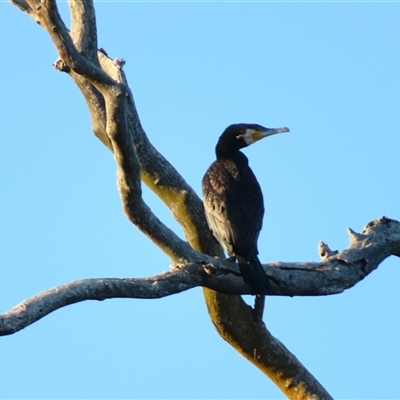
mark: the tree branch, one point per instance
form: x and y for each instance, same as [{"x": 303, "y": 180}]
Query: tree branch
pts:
[
  {"x": 379, "y": 239},
  {"x": 122, "y": 122},
  {"x": 83, "y": 29},
  {"x": 263, "y": 350},
  {"x": 116, "y": 123},
  {"x": 118, "y": 109},
  {"x": 77, "y": 59}
]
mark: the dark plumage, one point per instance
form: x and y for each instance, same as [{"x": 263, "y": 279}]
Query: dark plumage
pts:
[{"x": 233, "y": 201}]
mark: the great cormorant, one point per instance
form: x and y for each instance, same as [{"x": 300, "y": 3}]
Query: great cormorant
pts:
[{"x": 233, "y": 201}]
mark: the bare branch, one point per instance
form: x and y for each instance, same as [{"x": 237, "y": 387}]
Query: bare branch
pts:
[
  {"x": 24, "y": 6},
  {"x": 83, "y": 29},
  {"x": 36, "y": 307},
  {"x": 119, "y": 131},
  {"x": 129, "y": 180},
  {"x": 77, "y": 58},
  {"x": 262, "y": 349},
  {"x": 379, "y": 238},
  {"x": 160, "y": 176},
  {"x": 116, "y": 123},
  {"x": 340, "y": 271},
  {"x": 121, "y": 124}
]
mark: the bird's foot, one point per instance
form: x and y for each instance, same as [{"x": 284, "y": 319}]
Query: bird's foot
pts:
[{"x": 258, "y": 309}]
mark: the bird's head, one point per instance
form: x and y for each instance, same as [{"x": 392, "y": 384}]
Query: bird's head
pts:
[{"x": 237, "y": 136}]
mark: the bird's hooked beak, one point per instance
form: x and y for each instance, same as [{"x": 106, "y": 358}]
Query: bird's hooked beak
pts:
[
  {"x": 265, "y": 132},
  {"x": 253, "y": 135}
]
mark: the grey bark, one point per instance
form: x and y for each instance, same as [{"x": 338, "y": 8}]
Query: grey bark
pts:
[
  {"x": 116, "y": 123},
  {"x": 334, "y": 274}
]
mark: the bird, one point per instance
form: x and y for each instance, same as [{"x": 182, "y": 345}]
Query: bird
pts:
[{"x": 233, "y": 201}]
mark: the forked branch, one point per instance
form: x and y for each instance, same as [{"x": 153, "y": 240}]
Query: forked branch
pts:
[{"x": 116, "y": 123}]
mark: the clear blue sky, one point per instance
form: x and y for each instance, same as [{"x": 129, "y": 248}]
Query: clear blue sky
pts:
[{"x": 329, "y": 71}]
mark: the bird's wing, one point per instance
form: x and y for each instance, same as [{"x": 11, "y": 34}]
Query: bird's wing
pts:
[
  {"x": 216, "y": 213},
  {"x": 234, "y": 209},
  {"x": 246, "y": 212}
]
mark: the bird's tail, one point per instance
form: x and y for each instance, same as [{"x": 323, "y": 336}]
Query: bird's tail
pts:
[{"x": 253, "y": 274}]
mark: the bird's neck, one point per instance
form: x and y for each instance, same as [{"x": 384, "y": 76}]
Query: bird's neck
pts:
[{"x": 237, "y": 156}]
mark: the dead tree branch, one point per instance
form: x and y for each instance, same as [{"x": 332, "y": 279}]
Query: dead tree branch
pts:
[
  {"x": 336, "y": 273},
  {"x": 116, "y": 123}
]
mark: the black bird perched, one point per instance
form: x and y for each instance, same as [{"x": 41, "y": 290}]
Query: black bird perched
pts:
[{"x": 233, "y": 201}]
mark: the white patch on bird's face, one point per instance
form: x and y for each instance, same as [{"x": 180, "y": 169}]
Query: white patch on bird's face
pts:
[
  {"x": 249, "y": 136},
  {"x": 252, "y": 135}
]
